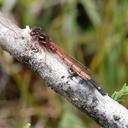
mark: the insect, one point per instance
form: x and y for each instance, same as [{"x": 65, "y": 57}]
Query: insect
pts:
[
  {"x": 43, "y": 39},
  {"x": 74, "y": 65}
]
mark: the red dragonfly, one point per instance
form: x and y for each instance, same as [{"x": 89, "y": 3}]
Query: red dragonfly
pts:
[
  {"x": 78, "y": 68},
  {"x": 48, "y": 43}
]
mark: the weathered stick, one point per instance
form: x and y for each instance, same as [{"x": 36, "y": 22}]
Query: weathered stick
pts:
[{"x": 81, "y": 93}]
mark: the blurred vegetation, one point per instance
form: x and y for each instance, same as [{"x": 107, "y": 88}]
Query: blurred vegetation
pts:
[
  {"x": 93, "y": 31},
  {"x": 117, "y": 95}
]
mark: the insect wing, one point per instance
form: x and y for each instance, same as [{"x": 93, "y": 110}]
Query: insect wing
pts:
[{"x": 74, "y": 61}]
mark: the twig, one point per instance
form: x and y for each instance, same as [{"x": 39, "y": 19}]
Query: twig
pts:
[{"x": 81, "y": 93}]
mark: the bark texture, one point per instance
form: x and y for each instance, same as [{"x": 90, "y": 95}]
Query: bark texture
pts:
[{"x": 80, "y": 92}]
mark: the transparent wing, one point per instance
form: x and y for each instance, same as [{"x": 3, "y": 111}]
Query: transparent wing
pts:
[{"x": 74, "y": 61}]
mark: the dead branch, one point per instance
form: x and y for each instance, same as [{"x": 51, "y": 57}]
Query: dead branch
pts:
[{"x": 80, "y": 92}]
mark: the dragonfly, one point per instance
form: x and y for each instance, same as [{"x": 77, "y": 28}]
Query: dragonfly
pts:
[
  {"x": 43, "y": 39},
  {"x": 76, "y": 66}
]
